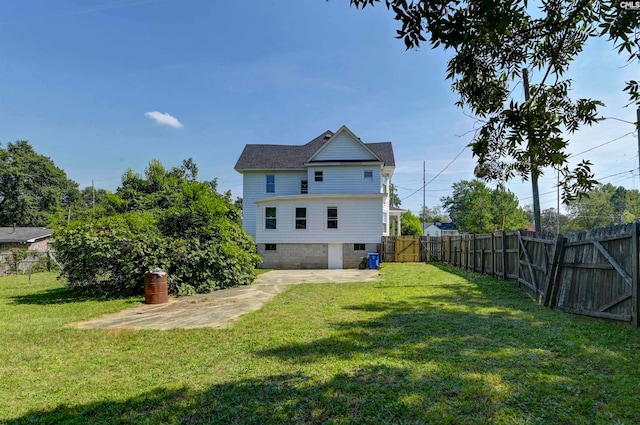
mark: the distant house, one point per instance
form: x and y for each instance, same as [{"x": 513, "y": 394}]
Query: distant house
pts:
[
  {"x": 31, "y": 238},
  {"x": 324, "y": 204},
  {"x": 441, "y": 229},
  {"x": 34, "y": 239}
]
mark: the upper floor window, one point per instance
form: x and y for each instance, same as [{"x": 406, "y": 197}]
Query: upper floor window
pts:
[
  {"x": 271, "y": 183},
  {"x": 318, "y": 176},
  {"x": 301, "y": 218},
  {"x": 270, "y": 218},
  {"x": 367, "y": 176},
  {"x": 304, "y": 186},
  {"x": 332, "y": 217}
]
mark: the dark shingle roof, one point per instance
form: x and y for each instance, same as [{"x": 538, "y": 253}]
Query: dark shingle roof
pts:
[
  {"x": 23, "y": 234},
  {"x": 295, "y": 156},
  {"x": 446, "y": 226}
]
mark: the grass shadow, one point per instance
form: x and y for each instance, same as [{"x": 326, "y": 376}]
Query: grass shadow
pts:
[
  {"x": 369, "y": 395},
  {"x": 60, "y": 296}
]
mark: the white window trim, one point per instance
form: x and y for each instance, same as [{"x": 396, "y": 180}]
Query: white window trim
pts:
[
  {"x": 314, "y": 176},
  {"x": 364, "y": 178},
  {"x": 264, "y": 221},
  {"x": 296, "y": 218},
  {"x": 266, "y": 183},
  {"x": 326, "y": 217}
]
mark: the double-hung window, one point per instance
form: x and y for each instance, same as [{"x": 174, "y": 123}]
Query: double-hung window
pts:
[
  {"x": 367, "y": 176},
  {"x": 318, "y": 176},
  {"x": 270, "y": 218},
  {"x": 332, "y": 217},
  {"x": 304, "y": 186},
  {"x": 271, "y": 183},
  {"x": 301, "y": 218}
]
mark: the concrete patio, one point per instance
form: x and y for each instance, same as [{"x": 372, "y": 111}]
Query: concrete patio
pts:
[{"x": 220, "y": 309}]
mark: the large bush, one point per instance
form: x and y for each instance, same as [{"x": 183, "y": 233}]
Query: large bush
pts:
[{"x": 168, "y": 220}]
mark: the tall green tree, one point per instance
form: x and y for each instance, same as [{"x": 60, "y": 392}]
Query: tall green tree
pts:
[
  {"x": 410, "y": 224},
  {"x": 433, "y": 214},
  {"x": 499, "y": 45},
  {"x": 476, "y": 208},
  {"x": 606, "y": 205},
  {"x": 549, "y": 220},
  {"x": 394, "y": 199},
  {"x": 32, "y": 188}
]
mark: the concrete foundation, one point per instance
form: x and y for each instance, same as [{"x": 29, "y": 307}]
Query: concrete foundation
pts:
[{"x": 295, "y": 256}]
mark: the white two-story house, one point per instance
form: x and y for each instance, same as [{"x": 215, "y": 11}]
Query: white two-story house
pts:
[{"x": 324, "y": 204}]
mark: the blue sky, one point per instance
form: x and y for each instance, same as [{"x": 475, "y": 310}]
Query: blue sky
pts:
[{"x": 105, "y": 85}]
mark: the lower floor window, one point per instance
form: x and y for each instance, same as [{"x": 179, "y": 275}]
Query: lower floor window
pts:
[
  {"x": 269, "y": 247},
  {"x": 358, "y": 247},
  {"x": 332, "y": 217},
  {"x": 270, "y": 222},
  {"x": 301, "y": 218}
]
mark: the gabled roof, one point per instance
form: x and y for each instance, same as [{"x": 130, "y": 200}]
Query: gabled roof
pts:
[
  {"x": 364, "y": 149},
  {"x": 23, "y": 234},
  {"x": 265, "y": 157}
]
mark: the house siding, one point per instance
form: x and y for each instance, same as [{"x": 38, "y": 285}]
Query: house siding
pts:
[
  {"x": 344, "y": 179},
  {"x": 254, "y": 188},
  {"x": 358, "y": 221}
]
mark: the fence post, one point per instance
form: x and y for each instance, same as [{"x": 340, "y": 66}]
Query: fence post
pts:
[
  {"x": 466, "y": 253},
  {"x": 635, "y": 297},
  {"x": 474, "y": 255},
  {"x": 552, "y": 279},
  {"x": 504, "y": 256}
]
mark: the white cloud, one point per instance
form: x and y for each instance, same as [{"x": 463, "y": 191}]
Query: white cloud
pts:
[{"x": 162, "y": 118}]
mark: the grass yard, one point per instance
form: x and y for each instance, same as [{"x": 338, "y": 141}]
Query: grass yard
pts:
[{"x": 429, "y": 344}]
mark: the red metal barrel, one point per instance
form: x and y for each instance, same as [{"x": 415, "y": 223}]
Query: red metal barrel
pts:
[{"x": 156, "y": 290}]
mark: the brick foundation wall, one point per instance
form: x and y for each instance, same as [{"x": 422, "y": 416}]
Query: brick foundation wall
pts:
[
  {"x": 310, "y": 256},
  {"x": 351, "y": 259},
  {"x": 295, "y": 256}
]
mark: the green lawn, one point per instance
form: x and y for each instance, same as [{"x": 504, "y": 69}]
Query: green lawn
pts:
[{"x": 426, "y": 345}]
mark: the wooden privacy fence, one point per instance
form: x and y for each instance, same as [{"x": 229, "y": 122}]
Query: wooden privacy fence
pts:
[{"x": 594, "y": 273}]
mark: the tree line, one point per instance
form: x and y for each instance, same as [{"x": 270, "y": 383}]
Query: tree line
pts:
[
  {"x": 474, "y": 207},
  {"x": 106, "y": 241}
]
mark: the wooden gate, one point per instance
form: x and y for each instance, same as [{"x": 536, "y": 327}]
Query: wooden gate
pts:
[
  {"x": 539, "y": 256},
  {"x": 407, "y": 249},
  {"x": 599, "y": 274}
]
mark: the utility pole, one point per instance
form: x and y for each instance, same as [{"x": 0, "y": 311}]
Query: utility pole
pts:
[
  {"x": 558, "y": 204},
  {"x": 534, "y": 170},
  {"x": 638, "y": 131},
  {"x": 424, "y": 187}
]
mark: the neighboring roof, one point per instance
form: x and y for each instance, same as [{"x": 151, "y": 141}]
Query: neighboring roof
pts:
[
  {"x": 23, "y": 234},
  {"x": 261, "y": 157},
  {"x": 446, "y": 226}
]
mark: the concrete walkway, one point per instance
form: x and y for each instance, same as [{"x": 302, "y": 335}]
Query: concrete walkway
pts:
[{"x": 220, "y": 309}]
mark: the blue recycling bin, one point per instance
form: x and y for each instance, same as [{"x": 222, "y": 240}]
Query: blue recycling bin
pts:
[{"x": 374, "y": 260}]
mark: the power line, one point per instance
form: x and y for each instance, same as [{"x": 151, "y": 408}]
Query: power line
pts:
[
  {"x": 601, "y": 178},
  {"x": 602, "y": 144},
  {"x": 437, "y": 175}
]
